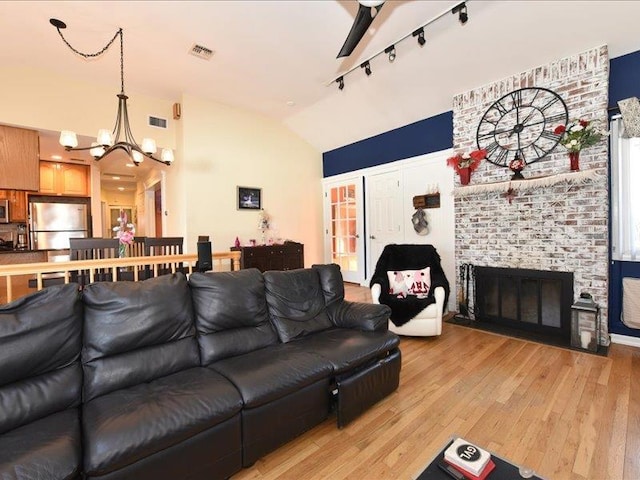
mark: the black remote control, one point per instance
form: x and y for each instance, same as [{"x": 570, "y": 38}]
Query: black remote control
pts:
[{"x": 452, "y": 472}]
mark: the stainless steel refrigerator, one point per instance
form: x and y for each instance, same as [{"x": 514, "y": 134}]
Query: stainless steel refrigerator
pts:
[{"x": 54, "y": 220}]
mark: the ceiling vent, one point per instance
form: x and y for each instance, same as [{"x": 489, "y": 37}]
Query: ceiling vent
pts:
[
  {"x": 201, "y": 52},
  {"x": 157, "y": 122}
]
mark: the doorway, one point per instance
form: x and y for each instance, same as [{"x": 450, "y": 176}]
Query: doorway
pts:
[
  {"x": 157, "y": 200},
  {"x": 384, "y": 214},
  {"x": 344, "y": 233}
]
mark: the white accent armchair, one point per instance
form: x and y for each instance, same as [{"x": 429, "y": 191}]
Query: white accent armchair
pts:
[
  {"x": 411, "y": 314},
  {"x": 426, "y": 323}
]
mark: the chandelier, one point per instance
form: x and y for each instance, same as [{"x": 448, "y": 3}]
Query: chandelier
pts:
[{"x": 121, "y": 138}]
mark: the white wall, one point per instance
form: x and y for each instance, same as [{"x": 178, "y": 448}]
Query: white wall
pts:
[
  {"x": 43, "y": 100},
  {"x": 223, "y": 147},
  {"x": 417, "y": 176}
]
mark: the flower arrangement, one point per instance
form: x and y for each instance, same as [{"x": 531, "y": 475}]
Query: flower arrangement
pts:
[
  {"x": 263, "y": 224},
  {"x": 469, "y": 160},
  {"x": 579, "y": 134},
  {"x": 516, "y": 166},
  {"x": 125, "y": 232}
]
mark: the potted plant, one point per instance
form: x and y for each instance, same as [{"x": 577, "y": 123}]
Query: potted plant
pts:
[
  {"x": 465, "y": 163},
  {"x": 125, "y": 232},
  {"x": 577, "y": 135},
  {"x": 516, "y": 166}
]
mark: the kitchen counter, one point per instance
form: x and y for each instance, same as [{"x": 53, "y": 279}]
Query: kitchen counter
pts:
[
  {"x": 20, "y": 250},
  {"x": 12, "y": 257}
]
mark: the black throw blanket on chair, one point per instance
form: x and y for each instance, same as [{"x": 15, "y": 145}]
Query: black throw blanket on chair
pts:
[{"x": 408, "y": 257}]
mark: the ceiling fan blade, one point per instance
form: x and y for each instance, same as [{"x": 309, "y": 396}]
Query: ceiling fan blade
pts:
[{"x": 360, "y": 25}]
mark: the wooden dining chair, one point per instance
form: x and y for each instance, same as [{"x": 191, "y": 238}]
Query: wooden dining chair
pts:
[
  {"x": 155, "y": 246},
  {"x": 137, "y": 248},
  {"x": 93, "y": 249}
]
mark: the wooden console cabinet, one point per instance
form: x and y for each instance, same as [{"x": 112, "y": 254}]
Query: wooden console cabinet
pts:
[{"x": 288, "y": 256}]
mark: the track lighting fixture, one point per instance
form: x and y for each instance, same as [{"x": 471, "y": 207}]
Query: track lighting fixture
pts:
[
  {"x": 420, "y": 34},
  {"x": 391, "y": 50},
  {"x": 461, "y": 10}
]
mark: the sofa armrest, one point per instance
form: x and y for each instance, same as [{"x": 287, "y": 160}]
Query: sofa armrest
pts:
[{"x": 362, "y": 316}]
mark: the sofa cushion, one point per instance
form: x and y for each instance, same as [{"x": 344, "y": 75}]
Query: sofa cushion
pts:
[
  {"x": 331, "y": 282},
  {"x": 271, "y": 373},
  {"x": 135, "y": 332},
  {"x": 128, "y": 425},
  {"x": 347, "y": 349},
  {"x": 47, "y": 448},
  {"x": 40, "y": 341},
  {"x": 296, "y": 303},
  {"x": 231, "y": 314}
]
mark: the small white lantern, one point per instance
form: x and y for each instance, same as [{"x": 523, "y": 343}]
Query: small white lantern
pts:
[{"x": 585, "y": 323}]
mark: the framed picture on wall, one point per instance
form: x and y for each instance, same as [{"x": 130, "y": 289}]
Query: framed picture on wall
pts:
[{"x": 249, "y": 198}]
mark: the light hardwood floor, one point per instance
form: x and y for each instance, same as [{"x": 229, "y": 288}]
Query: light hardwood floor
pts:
[{"x": 567, "y": 415}]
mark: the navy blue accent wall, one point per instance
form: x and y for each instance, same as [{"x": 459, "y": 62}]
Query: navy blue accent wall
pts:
[
  {"x": 617, "y": 271},
  {"x": 624, "y": 82},
  {"x": 426, "y": 136},
  {"x": 624, "y": 78}
]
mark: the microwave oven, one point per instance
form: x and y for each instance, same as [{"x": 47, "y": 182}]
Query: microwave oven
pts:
[{"x": 4, "y": 211}]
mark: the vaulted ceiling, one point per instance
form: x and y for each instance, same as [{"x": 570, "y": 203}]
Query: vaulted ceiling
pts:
[{"x": 279, "y": 57}]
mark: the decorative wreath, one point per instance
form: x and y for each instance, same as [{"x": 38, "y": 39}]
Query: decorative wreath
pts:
[{"x": 419, "y": 220}]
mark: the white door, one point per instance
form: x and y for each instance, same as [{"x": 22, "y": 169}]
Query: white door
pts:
[
  {"x": 344, "y": 227},
  {"x": 384, "y": 214}
]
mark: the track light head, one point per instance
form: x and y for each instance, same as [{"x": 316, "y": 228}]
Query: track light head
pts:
[
  {"x": 340, "y": 82},
  {"x": 461, "y": 10},
  {"x": 420, "y": 34},
  {"x": 391, "y": 51},
  {"x": 367, "y": 67}
]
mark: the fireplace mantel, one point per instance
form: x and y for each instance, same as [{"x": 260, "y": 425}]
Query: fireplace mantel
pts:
[{"x": 570, "y": 178}]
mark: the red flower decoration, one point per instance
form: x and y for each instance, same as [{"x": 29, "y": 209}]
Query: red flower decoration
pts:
[
  {"x": 478, "y": 155},
  {"x": 560, "y": 129},
  {"x": 584, "y": 123},
  {"x": 516, "y": 164},
  {"x": 467, "y": 160}
]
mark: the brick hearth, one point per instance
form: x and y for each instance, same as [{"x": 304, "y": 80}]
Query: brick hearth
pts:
[{"x": 562, "y": 227}]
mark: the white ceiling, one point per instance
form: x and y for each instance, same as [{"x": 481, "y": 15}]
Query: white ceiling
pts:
[{"x": 271, "y": 53}]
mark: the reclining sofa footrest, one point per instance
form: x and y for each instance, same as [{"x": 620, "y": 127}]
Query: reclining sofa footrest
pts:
[{"x": 360, "y": 390}]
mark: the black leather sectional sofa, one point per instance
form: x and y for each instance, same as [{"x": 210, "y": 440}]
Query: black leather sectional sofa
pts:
[{"x": 169, "y": 378}]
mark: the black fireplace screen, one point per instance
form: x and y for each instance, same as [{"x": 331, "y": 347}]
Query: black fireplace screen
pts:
[{"x": 534, "y": 300}]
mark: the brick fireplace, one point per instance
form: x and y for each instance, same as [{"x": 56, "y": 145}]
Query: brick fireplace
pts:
[{"x": 562, "y": 226}]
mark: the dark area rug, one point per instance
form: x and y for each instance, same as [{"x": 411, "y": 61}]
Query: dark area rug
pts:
[{"x": 513, "y": 332}]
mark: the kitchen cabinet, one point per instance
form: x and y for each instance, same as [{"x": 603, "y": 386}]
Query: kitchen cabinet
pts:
[
  {"x": 19, "y": 157},
  {"x": 287, "y": 256},
  {"x": 64, "y": 179},
  {"x": 17, "y": 205}
]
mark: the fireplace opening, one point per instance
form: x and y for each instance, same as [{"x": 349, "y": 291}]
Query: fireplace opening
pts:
[{"x": 536, "y": 303}]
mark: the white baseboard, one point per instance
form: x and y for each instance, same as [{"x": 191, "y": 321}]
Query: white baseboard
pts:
[{"x": 625, "y": 340}]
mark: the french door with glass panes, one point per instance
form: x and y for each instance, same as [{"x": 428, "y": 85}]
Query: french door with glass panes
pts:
[{"x": 344, "y": 221}]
